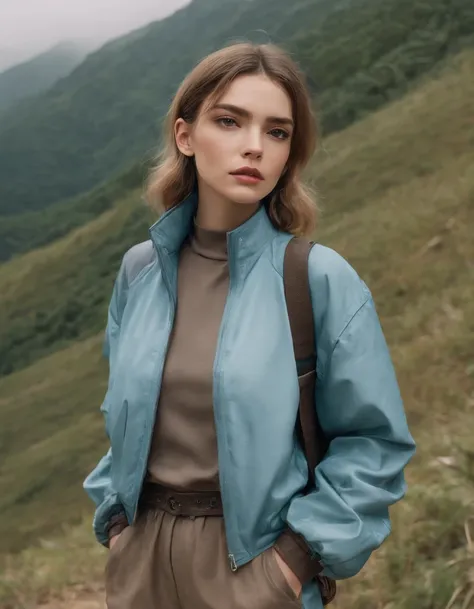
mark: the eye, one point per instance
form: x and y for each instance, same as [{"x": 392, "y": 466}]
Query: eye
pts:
[
  {"x": 226, "y": 121},
  {"x": 280, "y": 134}
]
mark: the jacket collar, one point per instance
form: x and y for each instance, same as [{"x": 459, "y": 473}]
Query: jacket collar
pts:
[{"x": 244, "y": 243}]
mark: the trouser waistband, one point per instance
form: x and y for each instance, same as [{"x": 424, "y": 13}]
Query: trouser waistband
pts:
[{"x": 179, "y": 503}]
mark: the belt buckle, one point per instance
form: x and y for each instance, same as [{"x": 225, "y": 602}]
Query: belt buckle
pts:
[{"x": 174, "y": 504}]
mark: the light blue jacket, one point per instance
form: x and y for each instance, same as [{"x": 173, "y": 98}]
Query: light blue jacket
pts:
[{"x": 262, "y": 469}]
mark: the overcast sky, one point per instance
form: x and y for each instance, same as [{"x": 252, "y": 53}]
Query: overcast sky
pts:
[{"x": 30, "y": 26}]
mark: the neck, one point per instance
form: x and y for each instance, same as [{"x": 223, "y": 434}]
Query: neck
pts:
[{"x": 218, "y": 214}]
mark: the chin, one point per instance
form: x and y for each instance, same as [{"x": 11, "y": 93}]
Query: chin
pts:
[{"x": 244, "y": 195}]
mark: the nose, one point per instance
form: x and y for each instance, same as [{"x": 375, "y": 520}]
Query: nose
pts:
[{"x": 253, "y": 148}]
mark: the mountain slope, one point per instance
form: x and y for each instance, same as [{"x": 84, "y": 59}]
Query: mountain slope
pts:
[
  {"x": 38, "y": 74},
  {"x": 357, "y": 55},
  {"x": 11, "y": 56},
  {"x": 59, "y": 434},
  {"x": 408, "y": 232},
  {"x": 57, "y": 294},
  {"x": 24, "y": 232},
  {"x": 37, "y": 312}
]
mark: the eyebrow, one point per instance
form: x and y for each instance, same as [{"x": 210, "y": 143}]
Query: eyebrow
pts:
[{"x": 278, "y": 120}]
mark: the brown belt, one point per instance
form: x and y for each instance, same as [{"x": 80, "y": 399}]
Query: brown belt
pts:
[{"x": 178, "y": 503}]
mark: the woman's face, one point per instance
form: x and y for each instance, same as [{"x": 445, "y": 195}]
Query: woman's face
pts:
[{"x": 247, "y": 131}]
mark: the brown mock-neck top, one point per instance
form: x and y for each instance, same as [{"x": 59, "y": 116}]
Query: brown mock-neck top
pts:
[{"x": 184, "y": 446}]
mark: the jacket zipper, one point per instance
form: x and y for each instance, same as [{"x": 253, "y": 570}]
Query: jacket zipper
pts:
[{"x": 218, "y": 416}]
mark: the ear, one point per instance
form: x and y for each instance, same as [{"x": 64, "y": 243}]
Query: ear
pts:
[{"x": 182, "y": 135}]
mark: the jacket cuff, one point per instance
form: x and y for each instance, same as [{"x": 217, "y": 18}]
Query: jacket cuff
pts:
[
  {"x": 296, "y": 553},
  {"x": 116, "y": 525}
]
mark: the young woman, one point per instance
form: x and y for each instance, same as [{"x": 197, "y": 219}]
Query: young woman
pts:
[{"x": 200, "y": 497}]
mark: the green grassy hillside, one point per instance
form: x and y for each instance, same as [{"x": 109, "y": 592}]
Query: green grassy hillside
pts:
[
  {"x": 49, "y": 435},
  {"x": 358, "y": 55},
  {"x": 58, "y": 294},
  {"x": 398, "y": 193}
]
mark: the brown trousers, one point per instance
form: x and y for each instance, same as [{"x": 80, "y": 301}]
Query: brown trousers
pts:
[{"x": 173, "y": 562}]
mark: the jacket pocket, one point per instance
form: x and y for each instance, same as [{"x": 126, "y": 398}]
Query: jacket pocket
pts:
[
  {"x": 278, "y": 581},
  {"x": 116, "y": 550}
]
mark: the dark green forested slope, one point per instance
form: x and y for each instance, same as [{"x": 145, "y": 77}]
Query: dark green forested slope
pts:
[
  {"x": 21, "y": 233},
  {"x": 106, "y": 115}
]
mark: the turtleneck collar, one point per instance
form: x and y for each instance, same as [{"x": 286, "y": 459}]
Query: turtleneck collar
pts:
[
  {"x": 244, "y": 244},
  {"x": 209, "y": 243}
]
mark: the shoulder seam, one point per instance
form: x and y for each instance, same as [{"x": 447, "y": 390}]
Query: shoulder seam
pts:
[
  {"x": 348, "y": 323},
  {"x": 142, "y": 266},
  {"x": 272, "y": 257}
]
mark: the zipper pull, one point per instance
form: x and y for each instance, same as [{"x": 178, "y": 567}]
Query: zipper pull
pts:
[{"x": 232, "y": 563}]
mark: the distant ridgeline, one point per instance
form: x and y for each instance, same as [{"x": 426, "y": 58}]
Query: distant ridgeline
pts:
[{"x": 38, "y": 74}]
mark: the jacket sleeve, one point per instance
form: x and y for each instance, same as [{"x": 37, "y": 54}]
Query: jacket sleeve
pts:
[
  {"x": 361, "y": 411},
  {"x": 98, "y": 484}
]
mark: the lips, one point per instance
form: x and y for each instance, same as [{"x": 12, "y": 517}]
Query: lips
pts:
[{"x": 248, "y": 171}]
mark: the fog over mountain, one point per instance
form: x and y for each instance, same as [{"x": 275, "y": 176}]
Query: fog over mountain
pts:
[{"x": 29, "y": 27}]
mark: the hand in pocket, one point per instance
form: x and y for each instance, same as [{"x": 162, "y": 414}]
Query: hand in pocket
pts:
[
  {"x": 113, "y": 540},
  {"x": 290, "y": 577}
]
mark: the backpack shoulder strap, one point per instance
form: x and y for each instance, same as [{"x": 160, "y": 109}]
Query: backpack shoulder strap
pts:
[
  {"x": 300, "y": 313},
  {"x": 298, "y": 303}
]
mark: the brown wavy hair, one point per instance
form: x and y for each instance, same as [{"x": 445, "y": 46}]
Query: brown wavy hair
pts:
[{"x": 291, "y": 205}]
